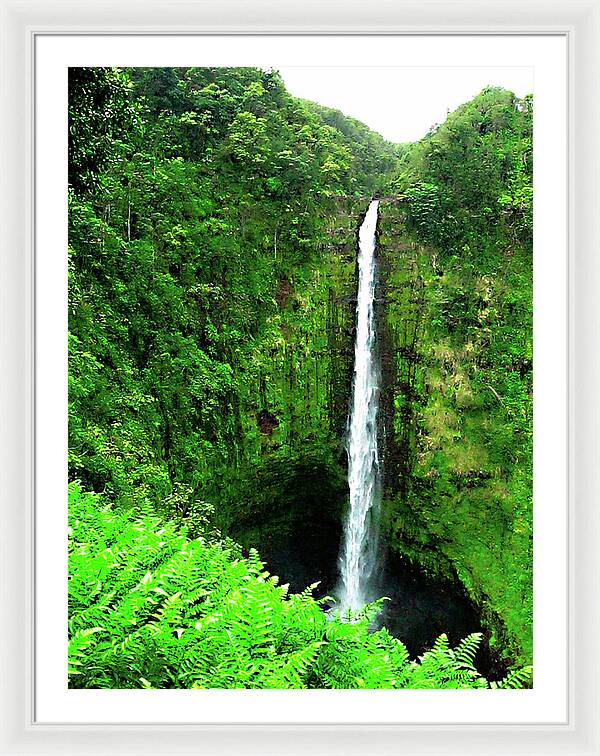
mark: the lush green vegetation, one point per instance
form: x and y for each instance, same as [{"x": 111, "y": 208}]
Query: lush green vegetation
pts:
[
  {"x": 456, "y": 246},
  {"x": 150, "y": 608},
  {"x": 211, "y": 228},
  {"x": 212, "y": 222}
]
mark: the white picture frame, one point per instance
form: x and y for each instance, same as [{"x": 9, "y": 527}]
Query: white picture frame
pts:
[{"x": 21, "y": 21}]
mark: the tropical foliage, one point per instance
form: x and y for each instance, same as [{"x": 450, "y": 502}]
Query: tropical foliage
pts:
[
  {"x": 457, "y": 246},
  {"x": 212, "y": 222},
  {"x": 151, "y": 608},
  {"x": 198, "y": 213}
]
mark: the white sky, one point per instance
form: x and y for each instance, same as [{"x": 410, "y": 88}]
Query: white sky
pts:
[{"x": 400, "y": 103}]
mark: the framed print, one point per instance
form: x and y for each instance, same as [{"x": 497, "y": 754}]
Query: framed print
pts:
[{"x": 299, "y": 384}]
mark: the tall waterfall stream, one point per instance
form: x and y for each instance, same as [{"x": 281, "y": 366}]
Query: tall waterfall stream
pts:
[{"x": 358, "y": 554}]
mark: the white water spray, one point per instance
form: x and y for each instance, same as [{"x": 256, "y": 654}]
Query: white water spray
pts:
[{"x": 359, "y": 551}]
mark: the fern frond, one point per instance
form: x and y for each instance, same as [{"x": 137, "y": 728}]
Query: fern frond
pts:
[{"x": 517, "y": 678}]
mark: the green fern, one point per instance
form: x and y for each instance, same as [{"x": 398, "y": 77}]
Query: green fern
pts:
[
  {"x": 149, "y": 608},
  {"x": 80, "y": 644},
  {"x": 516, "y": 678}
]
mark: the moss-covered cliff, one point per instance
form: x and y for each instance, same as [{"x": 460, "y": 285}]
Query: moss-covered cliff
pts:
[
  {"x": 288, "y": 493},
  {"x": 212, "y": 275},
  {"x": 456, "y": 327}
]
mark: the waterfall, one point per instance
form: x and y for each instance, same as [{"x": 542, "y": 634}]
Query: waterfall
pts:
[{"x": 359, "y": 550}]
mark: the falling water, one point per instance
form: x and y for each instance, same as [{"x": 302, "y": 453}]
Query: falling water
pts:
[{"x": 359, "y": 550}]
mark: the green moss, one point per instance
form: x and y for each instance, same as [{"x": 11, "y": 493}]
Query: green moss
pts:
[{"x": 458, "y": 479}]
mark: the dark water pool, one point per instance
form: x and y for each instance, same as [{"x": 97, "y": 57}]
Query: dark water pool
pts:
[{"x": 419, "y": 608}]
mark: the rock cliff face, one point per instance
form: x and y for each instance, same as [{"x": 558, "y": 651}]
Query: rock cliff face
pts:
[
  {"x": 289, "y": 492},
  {"x": 458, "y": 444}
]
